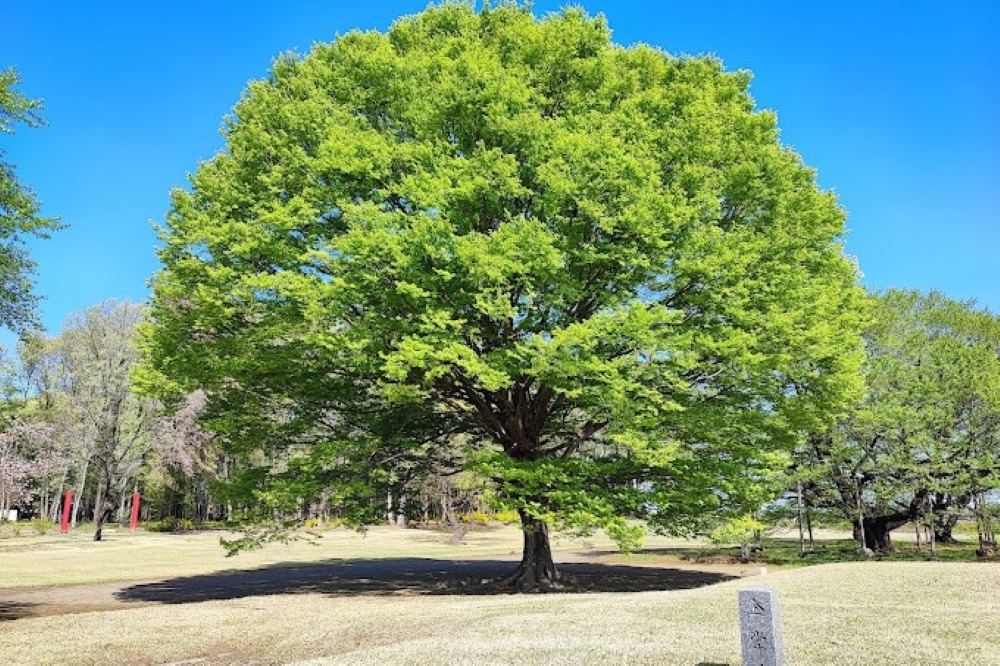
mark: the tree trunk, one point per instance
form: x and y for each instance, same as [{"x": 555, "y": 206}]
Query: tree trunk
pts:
[
  {"x": 81, "y": 484},
  {"x": 877, "y": 532},
  {"x": 100, "y": 502},
  {"x": 225, "y": 478},
  {"x": 536, "y": 572},
  {"x": 122, "y": 499},
  {"x": 943, "y": 529},
  {"x": 43, "y": 498},
  {"x": 800, "y": 511},
  {"x": 57, "y": 503}
]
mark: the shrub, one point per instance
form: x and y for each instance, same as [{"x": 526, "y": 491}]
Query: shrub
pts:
[
  {"x": 43, "y": 525},
  {"x": 628, "y": 537},
  {"x": 741, "y": 530},
  {"x": 507, "y": 517},
  {"x": 474, "y": 517},
  {"x": 170, "y": 525}
]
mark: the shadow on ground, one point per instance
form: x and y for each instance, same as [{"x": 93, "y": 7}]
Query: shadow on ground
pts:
[
  {"x": 410, "y": 576},
  {"x": 15, "y": 610}
]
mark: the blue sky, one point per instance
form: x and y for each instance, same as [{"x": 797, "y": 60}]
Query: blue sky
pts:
[{"x": 895, "y": 103}]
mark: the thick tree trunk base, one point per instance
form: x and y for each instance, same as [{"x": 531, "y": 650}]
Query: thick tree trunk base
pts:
[
  {"x": 524, "y": 579},
  {"x": 536, "y": 572},
  {"x": 878, "y": 532},
  {"x": 944, "y": 528}
]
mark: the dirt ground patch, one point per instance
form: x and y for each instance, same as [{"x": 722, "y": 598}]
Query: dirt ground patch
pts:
[{"x": 380, "y": 577}]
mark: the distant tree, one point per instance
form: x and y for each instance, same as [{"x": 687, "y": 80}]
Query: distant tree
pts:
[
  {"x": 30, "y": 440},
  {"x": 14, "y": 472},
  {"x": 19, "y": 215},
  {"x": 96, "y": 352},
  {"x": 179, "y": 438},
  {"x": 923, "y": 443},
  {"x": 183, "y": 464},
  {"x": 28, "y": 463},
  {"x": 44, "y": 399},
  {"x": 594, "y": 267}
]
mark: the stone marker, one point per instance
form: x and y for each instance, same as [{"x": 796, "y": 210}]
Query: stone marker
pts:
[{"x": 760, "y": 627}]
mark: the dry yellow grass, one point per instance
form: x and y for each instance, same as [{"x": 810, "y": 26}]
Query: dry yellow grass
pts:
[{"x": 857, "y": 613}]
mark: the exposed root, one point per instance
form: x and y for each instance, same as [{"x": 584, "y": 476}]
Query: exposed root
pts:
[{"x": 527, "y": 579}]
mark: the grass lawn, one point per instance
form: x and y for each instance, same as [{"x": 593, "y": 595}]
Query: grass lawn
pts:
[{"x": 866, "y": 612}]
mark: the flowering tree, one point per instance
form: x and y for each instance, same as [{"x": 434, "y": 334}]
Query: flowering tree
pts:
[{"x": 28, "y": 463}]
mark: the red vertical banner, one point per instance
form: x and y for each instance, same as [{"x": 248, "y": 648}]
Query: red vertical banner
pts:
[
  {"x": 135, "y": 510},
  {"x": 67, "y": 507}
]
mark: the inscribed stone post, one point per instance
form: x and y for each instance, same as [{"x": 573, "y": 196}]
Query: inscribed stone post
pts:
[{"x": 760, "y": 627}]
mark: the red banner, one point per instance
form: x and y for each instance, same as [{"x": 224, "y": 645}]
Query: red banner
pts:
[
  {"x": 67, "y": 507},
  {"x": 135, "y": 511}
]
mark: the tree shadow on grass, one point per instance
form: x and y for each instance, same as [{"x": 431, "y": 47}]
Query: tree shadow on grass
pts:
[
  {"x": 407, "y": 576},
  {"x": 15, "y": 610}
]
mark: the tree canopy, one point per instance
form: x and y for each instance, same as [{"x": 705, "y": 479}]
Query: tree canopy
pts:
[
  {"x": 19, "y": 214},
  {"x": 591, "y": 273}
]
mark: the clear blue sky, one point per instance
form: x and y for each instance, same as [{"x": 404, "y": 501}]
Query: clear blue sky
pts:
[{"x": 895, "y": 103}]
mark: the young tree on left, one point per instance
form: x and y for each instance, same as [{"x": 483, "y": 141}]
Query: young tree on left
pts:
[{"x": 19, "y": 214}]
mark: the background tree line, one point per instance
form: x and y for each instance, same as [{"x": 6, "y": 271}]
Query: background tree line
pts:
[
  {"x": 921, "y": 447},
  {"x": 72, "y": 419}
]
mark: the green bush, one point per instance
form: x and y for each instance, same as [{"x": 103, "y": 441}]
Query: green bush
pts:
[
  {"x": 741, "y": 530},
  {"x": 158, "y": 525},
  {"x": 323, "y": 523},
  {"x": 185, "y": 525},
  {"x": 628, "y": 537},
  {"x": 43, "y": 525},
  {"x": 170, "y": 525}
]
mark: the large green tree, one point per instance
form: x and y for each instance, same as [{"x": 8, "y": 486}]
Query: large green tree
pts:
[
  {"x": 19, "y": 215},
  {"x": 592, "y": 270}
]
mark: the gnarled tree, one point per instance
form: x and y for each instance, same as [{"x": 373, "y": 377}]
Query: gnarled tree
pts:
[{"x": 922, "y": 444}]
